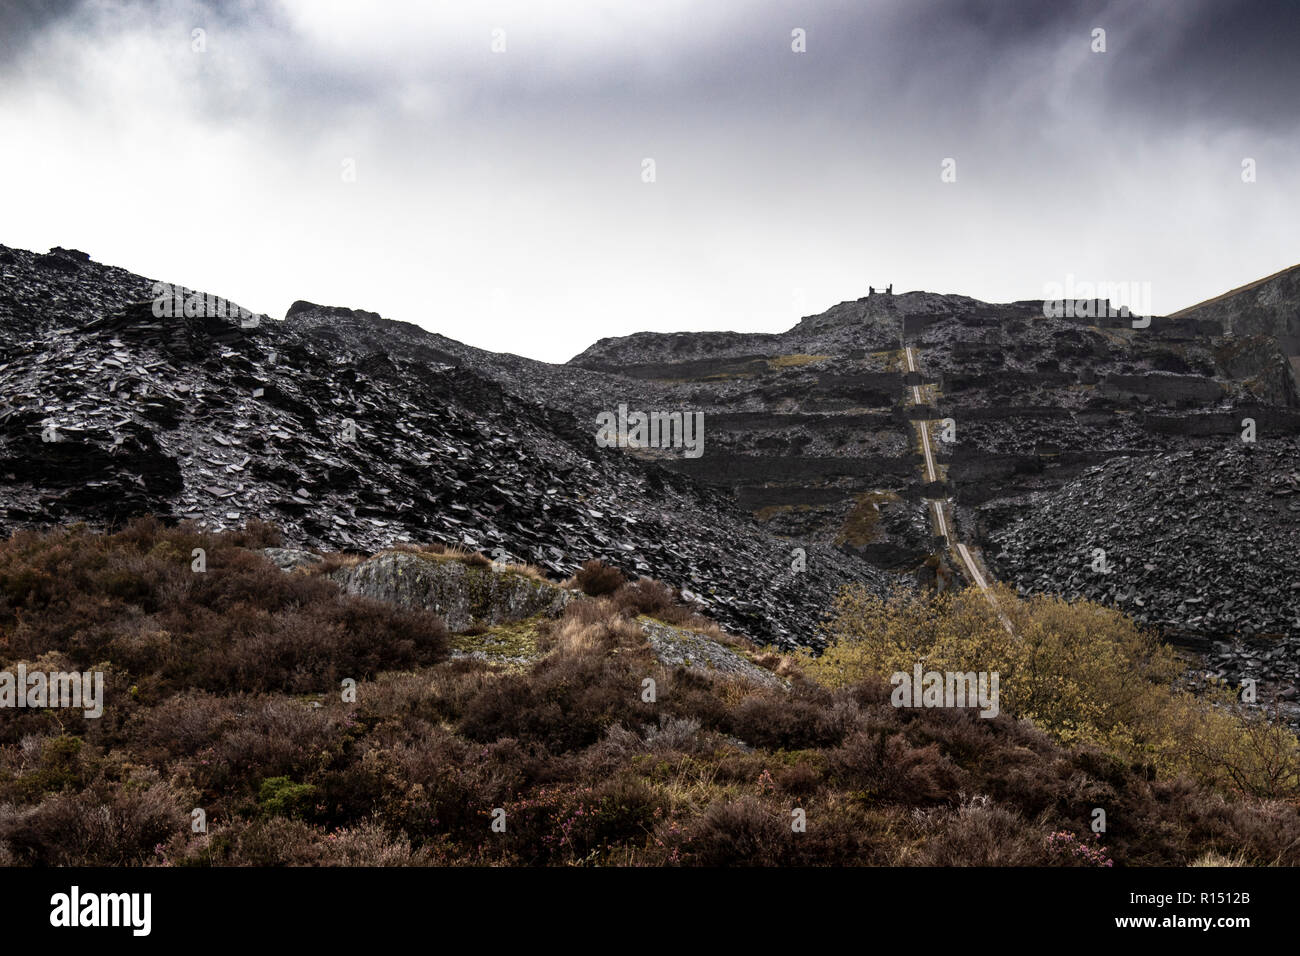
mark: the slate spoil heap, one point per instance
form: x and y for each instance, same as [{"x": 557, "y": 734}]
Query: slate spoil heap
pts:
[
  {"x": 1203, "y": 544},
  {"x": 351, "y": 433}
]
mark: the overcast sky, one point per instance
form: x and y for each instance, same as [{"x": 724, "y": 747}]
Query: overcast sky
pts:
[{"x": 499, "y": 195}]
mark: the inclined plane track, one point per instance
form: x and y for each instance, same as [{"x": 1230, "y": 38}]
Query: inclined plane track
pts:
[{"x": 968, "y": 561}]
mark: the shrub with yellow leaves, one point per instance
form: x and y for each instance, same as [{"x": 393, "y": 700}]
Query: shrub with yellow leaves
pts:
[{"x": 1083, "y": 672}]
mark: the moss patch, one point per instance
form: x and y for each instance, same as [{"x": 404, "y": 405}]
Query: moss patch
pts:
[
  {"x": 862, "y": 524},
  {"x": 512, "y": 644},
  {"x": 794, "y": 360},
  {"x": 771, "y": 511}
]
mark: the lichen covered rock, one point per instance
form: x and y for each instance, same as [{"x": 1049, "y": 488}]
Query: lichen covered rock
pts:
[
  {"x": 464, "y": 595},
  {"x": 290, "y": 559},
  {"x": 681, "y": 647}
]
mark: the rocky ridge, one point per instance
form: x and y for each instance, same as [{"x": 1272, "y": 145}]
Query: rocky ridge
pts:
[
  {"x": 353, "y": 432},
  {"x": 356, "y": 431}
]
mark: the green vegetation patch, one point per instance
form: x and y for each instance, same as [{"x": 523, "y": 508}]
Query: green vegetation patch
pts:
[
  {"x": 282, "y": 797},
  {"x": 862, "y": 524},
  {"x": 511, "y": 643}
]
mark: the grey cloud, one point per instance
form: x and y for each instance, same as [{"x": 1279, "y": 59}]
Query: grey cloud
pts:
[
  {"x": 1205, "y": 61},
  {"x": 947, "y": 63},
  {"x": 21, "y": 20},
  {"x": 778, "y": 170}
]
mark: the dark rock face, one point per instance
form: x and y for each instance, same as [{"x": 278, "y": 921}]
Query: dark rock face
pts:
[
  {"x": 1268, "y": 307},
  {"x": 681, "y": 647},
  {"x": 353, "y": 432}
]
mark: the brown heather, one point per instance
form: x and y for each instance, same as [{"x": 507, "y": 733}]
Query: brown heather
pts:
[{"x": 222, "y": 692}]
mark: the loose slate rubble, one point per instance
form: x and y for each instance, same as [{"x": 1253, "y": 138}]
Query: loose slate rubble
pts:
[
  {"x": 1206, "y": 541},
  {"x": 1202, "y": 544},
  {"x": 353, "y": 433}
]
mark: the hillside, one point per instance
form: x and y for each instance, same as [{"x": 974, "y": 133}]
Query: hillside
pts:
[
  {"x": 226, "y": 691},
  {"x": 1269, "y": 306},
  {"x": 351, "y": 432},
  {"x": 816, "y": 434}
]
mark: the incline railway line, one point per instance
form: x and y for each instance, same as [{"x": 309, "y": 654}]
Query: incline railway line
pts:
[{"x": 969, "y": 562}]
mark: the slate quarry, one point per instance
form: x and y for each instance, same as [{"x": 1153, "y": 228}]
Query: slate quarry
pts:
[
  {"x": 809, "y": 431},
  {"x": 351, "y": 433}
]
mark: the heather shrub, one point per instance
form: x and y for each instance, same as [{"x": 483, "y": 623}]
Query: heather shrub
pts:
[
  {"x": 777, "y": 721},
  {"x": 597, "y": 579},
  {"x": 270, "y": 841},
  {"x": 744, "y": 832},
  {"x": 566, "y": 703},
  {"x": 279, "y": 841},
  {"x": 1066, "y": 849},
  {"x": 222, "y": 692},
  {"x": 132, "y": 601},
  {"x": 49, "y": 765},
  {"x": 106, "y": 825},
  {"x": 979, "y": 833},
  {"x": 369, "y": 844},
  {"x": 884, "y": 766},
  {"x": 565, "y": 823},
  {"x": 646, "y": 596}
]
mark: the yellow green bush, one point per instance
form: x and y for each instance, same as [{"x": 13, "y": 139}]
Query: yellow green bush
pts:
[{"x": 1083, "y": 672}]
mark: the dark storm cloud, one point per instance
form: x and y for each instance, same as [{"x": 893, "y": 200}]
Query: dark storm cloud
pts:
[
  {"x": 1233, "y": 63},
  {"x": 21, "y": 20},
  {"x": 982, "y": 71},
  {"x": 1169, "y": 62},
  {"x": 815, "y": 173}
]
